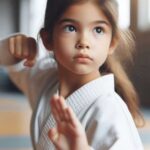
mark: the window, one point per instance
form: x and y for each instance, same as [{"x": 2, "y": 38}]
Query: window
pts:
[
  {"x": 36, "y": 19},
  {"x": 23, "y": 16},
  {"x": 31, "y": 16},
  {"x": 124, "y": 13},
  {"x": 148, "y": 11},
  {"x": 144, "y": 15},
  {"x": 37, "y": 14},
  {"x": 37, "y": 10}
]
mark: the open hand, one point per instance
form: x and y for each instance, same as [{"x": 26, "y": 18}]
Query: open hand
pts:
[{"x": 69, "y": 133}]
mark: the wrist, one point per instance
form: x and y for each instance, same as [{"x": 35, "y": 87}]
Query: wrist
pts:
[{"x": 4, "y": 51}]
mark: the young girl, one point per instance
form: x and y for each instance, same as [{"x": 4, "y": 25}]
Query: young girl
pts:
[{"x": 85, "y": 111}]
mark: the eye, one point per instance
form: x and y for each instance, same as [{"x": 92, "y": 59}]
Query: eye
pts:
[
  {"x": 99, "y": 30},
  {"x": 70, "y": 28}
]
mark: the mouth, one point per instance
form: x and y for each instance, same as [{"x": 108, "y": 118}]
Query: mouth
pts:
[{"x": 82, "y": 58}]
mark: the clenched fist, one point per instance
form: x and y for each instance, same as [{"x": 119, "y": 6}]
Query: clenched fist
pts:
[{"x": 23, "y": 47}]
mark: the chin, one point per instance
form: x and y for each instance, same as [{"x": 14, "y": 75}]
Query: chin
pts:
[{"x": 81, "y": 72}]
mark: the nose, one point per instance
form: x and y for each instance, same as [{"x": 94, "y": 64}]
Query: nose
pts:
[
  {"x": 80, "y": 45},
  {"x": 83, "y": 43}
]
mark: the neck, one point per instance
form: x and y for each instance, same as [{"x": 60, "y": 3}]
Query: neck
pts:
[{"x": 69, "y": 82}]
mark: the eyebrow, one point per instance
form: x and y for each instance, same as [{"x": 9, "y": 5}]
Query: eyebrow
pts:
[{"x": 75, "y": 21}]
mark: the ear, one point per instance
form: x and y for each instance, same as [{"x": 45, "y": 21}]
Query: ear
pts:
[
  {"x": 113, "y": 45},
  {"x": 45, "y": 39}
]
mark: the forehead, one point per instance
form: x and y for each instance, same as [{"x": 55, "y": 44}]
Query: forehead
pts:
[{"x": 87, "y": 11}]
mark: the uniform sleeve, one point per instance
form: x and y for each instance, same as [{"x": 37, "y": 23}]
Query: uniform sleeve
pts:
[
  {"x": 33, "y": 81},
  {"x": 12, "y": 64},
  {"x": 30, "y": 81},
  {"x": 5, "y": 57},
  {"x": 111, "y": 127},
  {"x": 101, "y": 137}
]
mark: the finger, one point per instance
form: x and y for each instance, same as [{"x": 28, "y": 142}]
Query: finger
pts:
[
  {"x": 56, "y": 115},
  {"x": 55, "y": 109},
  {"x": 66, "y": 116},
  {"x": 32, "y": 48},
  {"x": 29, "y": 63},
  {"x": 53, "y": 135},
  {"x": 25, "y": 47},
  {"x": 62, "y": 103},
  {"x": 18, "y": 46},
  {"x": 30, "y": 51},
  {"x": 55, "y": 103},
  {"x": 63, "y": 106},
  {"x": 72, "y": 117},
  {"x": 12, "y": 45}
]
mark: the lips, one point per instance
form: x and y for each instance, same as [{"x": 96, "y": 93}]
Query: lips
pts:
[{"x": 82, "y": 56}]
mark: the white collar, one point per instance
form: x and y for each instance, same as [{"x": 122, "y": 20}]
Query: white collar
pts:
[
  {"x": 79, "y": 100},
  {"x": 89, "y": 92}
]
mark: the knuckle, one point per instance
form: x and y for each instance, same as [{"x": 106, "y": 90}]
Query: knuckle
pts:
[
  {"x": 19, "y": 38},
  {"x": 25, "y": 54},
  {"x": 11, "y": 39},
  {"x": 11, "y": 45}
]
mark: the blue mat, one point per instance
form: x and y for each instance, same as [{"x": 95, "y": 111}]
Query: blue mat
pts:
[{"x": 15, "y": 142}]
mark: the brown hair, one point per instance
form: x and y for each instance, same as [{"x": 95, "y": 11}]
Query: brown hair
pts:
[{"x": 114, "y": 63}]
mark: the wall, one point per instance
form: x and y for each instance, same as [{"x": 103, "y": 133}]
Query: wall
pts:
[
  {"x": 9, "y": 23},
  {"x": 8, "y": 17},
  {"x": 141, "y": 69}
]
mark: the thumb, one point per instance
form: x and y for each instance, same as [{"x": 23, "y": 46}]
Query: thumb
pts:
[
  {"x": 29, "y": 63},
  {"x": 32, "y": 46},
  {"x": 53, "y": 135}
]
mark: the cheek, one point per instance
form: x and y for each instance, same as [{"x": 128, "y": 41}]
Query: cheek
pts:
[
  {"x": 101, "y": 57},
  {"x": 103, "y": 45},
  {"x": 63, "y": 49},
  {"x": 102, "y": 53},
  {"x": 65, "y": 42}
]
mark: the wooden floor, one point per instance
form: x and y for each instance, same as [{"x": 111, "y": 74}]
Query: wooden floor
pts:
[{"x": 15, "y": 114}]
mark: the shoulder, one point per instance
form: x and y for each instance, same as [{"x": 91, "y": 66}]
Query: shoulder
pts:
[
  {"x": 47, "y": 62},
  {"x": 111, "y": 110},
  {"x": 44, "y": 69},
  {"x": 111, "y": 122},
  {"x": 42, "y": 76},
  {"x": 109, "y": 104}
]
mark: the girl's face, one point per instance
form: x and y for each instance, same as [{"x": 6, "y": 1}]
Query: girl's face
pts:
[{"x": 82, "y": 39}]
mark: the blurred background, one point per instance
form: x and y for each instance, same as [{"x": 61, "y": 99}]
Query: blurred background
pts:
[{"x": 26, "y": 16}]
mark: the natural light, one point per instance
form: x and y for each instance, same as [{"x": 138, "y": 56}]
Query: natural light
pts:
[
  {"x": 124, "y": 13},
  {"x": 37, "y": 14},
  {"x": 149, "y": 11},
  {"x": 144, "y": 15},
  {"x": 37, "y": 10}
]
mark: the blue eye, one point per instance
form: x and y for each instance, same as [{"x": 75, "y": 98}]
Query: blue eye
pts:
[
  {"x": 70, "y": 28},
  {"x": 99, "y": 30}
]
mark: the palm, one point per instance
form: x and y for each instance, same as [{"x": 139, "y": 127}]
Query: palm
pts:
[
  {"x": 66, "y": 135},
  {"x": 69, "y": 134}
]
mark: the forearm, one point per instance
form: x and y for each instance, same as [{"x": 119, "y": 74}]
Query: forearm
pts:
[{"x": 6, "y": 58}]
